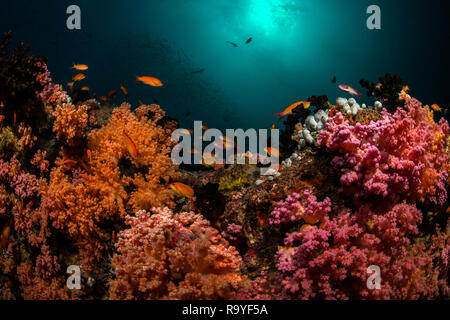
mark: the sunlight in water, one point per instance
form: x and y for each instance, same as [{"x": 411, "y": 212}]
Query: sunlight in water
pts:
[{"x": 274, "y": 16}]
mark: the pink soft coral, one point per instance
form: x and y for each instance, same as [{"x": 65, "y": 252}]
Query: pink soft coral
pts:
[
  {"x": 401, "y": 156},
  {"x": 173, "y": 256},
  {"x": 330, "y": 261}
]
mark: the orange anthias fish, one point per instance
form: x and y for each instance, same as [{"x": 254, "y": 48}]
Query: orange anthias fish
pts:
[
  {"x": 130, "y": 145},
  {"x": 290, "y": 109},
  {"x": 79, "y": 77},
  {"x": 124, "y": 90},
  {"x": 182, "y": 190},
  {"x": 70, "y": 162},
  {"x": 80, "y": 244},
  {"x": 272, "y": 152},
  {"x": 85, "y": 88},
  {"x": 435, "y": 107},
  {"x": 103, "y": 98},
  {"x": 112, "y": 94},
  {"x": 80, "y": 67},
  {"x": 151, "y": 81},
  {"x": 350, "y": 90}
]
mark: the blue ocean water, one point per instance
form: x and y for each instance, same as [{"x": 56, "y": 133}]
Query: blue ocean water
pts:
[{"x": 298, "y": 47}]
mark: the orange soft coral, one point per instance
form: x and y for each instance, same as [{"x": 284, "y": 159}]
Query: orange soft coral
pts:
[
  {"x": 146, "y": 174},
  {"x": 70, "y": 122},
  {"x": 96, "y": 188}
]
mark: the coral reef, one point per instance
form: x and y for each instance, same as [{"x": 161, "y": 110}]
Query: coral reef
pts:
[
  {"x": 87, "y": 183},
  {"x": 173, "y": 256},
  {"x": 401, "y": 156},
  {"x": 321, "y": 261}
]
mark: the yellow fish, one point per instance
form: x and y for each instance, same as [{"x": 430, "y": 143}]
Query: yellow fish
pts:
[
  {"x": 182, "y": 190},
  {"x": 80, "y": 67},
  {"x": 151, "y": 81},
  {"x": 272, "y": 151},
  {"x": 435, "y": 107},
  {"x": 130, "y": 145},
  {"x": 79, "y": 77},
  {"x": 124, "y": 90},
  {"x": 290, "y": 109},
  {"x": 112, "y": 94}
]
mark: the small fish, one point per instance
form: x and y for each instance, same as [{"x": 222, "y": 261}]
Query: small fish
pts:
[
  {"x": 80, "y": 67},
  {"x": 21, "y": 207},
  {"x": 334, "y": 80},
  {"x": 435, "y": 107},
  {"x": 272, "y": 152},
  {"x": 103, "y": 98},
  {"x": 70, "y": 162},
  {"x": 378, "y": 86},
  {"x": 80, "y": 244},
  {"x": 182, "y": 190},
  {"x": 233, "y": 44},
  {"x": 85, "y": 88},
  {"x": 198, "y": 71},
  {"x": 70, "y": 84},
  {"x": 290, "y": 109},
  {"x": 130, "y": 145},
  {"x": 140, "y": 102},
  {"x": 112, "y": 94},
  {"x": 249, "y": 40},
  {"x": 113, "y": 236},
  {"x": 350, "y": 90},
  {"x": 151, "y": 81},
  {"x": 2, "y": 117},
  {"x": 79, "y": 77},
  {"x": 205, "y": 127},
  {"x": 124, "y": 90},
  {"x": 306, "y": 184},
  {"x": 89, "y": 154},
  {"x": 405, "y": 89},
  {"x": 273, "y": 126}
]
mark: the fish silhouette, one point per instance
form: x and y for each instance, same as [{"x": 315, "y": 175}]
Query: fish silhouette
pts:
[
  {"x": 233, "y": 44},
  {"x": 198, "y": 71},
  {"x": 249, "y": 40}
]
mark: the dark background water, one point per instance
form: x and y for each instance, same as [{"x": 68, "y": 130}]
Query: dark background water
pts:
[{"x": 298, "y": 46}]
